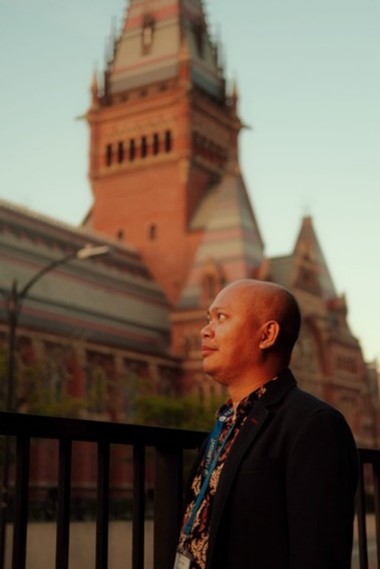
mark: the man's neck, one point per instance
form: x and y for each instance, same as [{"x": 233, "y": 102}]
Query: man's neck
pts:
[{"x": 239, "y": 392}]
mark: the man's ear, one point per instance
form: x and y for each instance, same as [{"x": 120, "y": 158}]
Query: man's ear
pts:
[{"x": 269, "y": 334}]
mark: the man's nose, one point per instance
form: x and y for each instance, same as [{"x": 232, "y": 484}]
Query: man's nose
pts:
[{"x": 206, "y": 330}]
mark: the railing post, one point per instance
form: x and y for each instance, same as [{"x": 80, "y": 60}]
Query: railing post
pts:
[
  {"x": 4, "y": 499},
  {"x": 102, "y": 515},
  {"x": 63, "y": 520},
  {"x": 361, "y": 513},
  {"x": 376, "y": 482},
  {"x": 138, "y": 526},
  {"x": 21, "y": 503},
  {"x": 167, "y": 505}
]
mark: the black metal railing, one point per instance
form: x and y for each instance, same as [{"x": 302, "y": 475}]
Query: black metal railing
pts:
[{"x": 169, "y": 446}]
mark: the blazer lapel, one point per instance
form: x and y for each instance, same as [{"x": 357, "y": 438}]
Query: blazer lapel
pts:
[{"x": 253, "y": 425}]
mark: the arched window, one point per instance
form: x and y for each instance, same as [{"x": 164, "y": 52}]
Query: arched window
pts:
[
  {"x": 210, "y": 287},
  {"x": 212, "y": 281}
]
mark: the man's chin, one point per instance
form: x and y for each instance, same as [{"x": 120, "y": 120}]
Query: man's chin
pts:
[
  {"x": 211, "y": 372},
  {"x": 208, "y": 370}
]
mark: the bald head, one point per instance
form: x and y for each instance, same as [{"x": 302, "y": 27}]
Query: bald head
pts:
[
  {"x": 251, "y": 330},
  {"x": 267, "y": 301}
]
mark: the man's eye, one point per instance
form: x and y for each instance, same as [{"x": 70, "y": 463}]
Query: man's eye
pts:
[{"x": 221, "y": 317}]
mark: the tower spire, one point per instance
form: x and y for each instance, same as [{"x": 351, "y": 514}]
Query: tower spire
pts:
[{"x": 163, "y": 116}]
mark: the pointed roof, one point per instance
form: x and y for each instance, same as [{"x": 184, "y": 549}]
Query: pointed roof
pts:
[
  {"x": 310, "y": 257},
  {"x": 150, "y": 45},
  {"x": 305, "y": 268},
  {"x": 231, "y": 238}
]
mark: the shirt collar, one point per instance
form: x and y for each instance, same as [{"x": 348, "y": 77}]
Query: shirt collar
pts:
[{"x": 247, "y": 403}]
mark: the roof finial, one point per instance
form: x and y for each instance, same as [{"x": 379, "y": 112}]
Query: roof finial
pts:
[
  {"x": 234, "y": 96},
  {"x": 94, "y": 90}
]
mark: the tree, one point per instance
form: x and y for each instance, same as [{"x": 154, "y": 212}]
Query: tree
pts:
[
  {"x": 33, "y": 392},
  {"x": 186, "y": 412}
]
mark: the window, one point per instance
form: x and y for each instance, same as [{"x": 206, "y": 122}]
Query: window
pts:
[
  {"x": 147, "y": 34},
  {"x": 168, "y": 141},
  {"x": 144, "y": 147},
  {"x": 156, "y": 143},
  {"x": 211, "y": 281},
  {"x": 108, "y": 154},
  {"x": 132, "y": 150},
  {"x": 198, "y": 30},
  {"x": 120, "y": 152},
  {"x": 210, "y": 286},
  {"x": 99, "y": 383},
  {"x": 152, "y": 231}
]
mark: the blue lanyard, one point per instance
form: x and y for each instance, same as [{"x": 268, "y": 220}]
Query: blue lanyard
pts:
[{"x": 212, "y": 455}]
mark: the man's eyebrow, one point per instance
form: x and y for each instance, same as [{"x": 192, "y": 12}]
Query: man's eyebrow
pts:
[{"x": 215, "y": 309}]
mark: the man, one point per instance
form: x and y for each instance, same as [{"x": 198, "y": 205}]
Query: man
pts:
[{"x": 273, "y": 487}]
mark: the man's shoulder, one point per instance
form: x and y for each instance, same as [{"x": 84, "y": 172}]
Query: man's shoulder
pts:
[
  {"x": 308, "y": 404},
  {"x": 303, "y": 403}
]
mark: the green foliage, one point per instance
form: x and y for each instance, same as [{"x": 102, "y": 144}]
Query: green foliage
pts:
[
  {"x": 43, "y": 403},
  {"x": 36, "y": 395},
  {"x": 33, "y": 392},
  {"x": 184, "y": 412}
]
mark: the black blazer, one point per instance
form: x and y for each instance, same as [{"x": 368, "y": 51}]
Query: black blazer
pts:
[{"x": 285, "y": 498}]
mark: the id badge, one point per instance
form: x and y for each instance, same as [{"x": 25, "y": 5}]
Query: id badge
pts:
[{"x": 182, "y": 561}]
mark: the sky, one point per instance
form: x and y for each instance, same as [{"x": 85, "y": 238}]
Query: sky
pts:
[{"x": 308, "y": 78}]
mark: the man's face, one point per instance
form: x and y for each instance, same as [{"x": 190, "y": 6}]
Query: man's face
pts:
[{"x": 230, "y": 340}]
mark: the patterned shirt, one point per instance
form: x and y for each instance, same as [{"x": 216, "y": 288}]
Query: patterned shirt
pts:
[{"x": 196, "y": 542}]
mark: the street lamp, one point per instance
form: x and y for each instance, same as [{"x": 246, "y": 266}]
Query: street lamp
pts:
[{"x": 13, "y": 305}]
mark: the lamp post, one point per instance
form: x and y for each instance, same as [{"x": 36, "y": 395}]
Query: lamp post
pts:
[{"x": 13, "y": 305}]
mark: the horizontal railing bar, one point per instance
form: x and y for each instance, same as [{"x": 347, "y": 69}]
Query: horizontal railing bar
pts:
[
  {"x": 41, "y": 426},
  {"x": 369, "y": 455}
]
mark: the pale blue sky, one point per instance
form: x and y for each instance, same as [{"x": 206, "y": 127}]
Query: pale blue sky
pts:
[{"x": 309, "y": 84}]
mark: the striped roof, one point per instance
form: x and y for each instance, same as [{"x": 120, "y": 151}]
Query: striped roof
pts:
[
  {"x": 110, "y": 300},
  {"x": 152, "y": 42},
  {"x": 231, "y": 237}
]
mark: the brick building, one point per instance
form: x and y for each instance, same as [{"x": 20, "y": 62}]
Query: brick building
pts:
[
  {"x": 165, "y": 176},
  {"x": 170, "y": 198}
]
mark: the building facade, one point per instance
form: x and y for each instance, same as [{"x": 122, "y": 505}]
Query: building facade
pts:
[
  {"x": 165, "y": 176},
  {"x": 92, "y": 337},
  {"x": 170, "y": 200}
]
